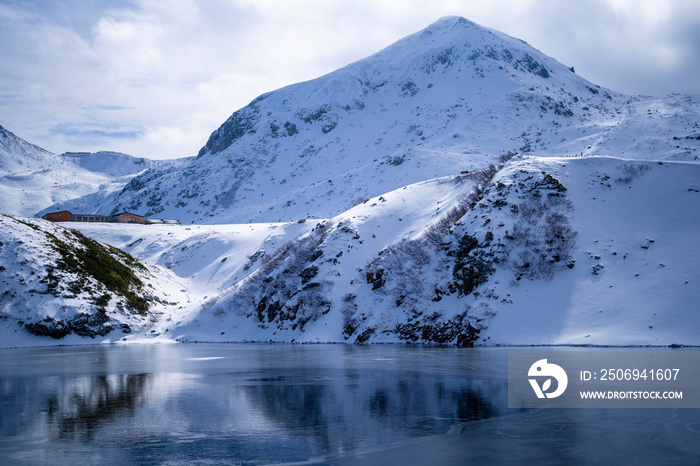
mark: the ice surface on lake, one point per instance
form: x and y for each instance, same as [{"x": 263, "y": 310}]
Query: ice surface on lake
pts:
[{"x": 262, "y": 404}]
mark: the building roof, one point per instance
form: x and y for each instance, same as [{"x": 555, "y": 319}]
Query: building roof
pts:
[
  {"x": 129, "y": 213},
  {"x": 58, "y": 212}
]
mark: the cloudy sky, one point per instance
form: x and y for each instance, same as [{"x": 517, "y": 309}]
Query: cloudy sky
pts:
[{"x": 153, "y": 78}]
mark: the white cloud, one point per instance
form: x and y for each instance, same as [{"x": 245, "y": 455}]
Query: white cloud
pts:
[{"x": 155, "y": 77}]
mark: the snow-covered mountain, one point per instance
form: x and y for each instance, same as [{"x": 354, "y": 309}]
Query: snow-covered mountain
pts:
[
  {"x": 452, "y": 97},
  {"x": 550, "y": 251},
  {"x": 545, "y": 250},
  {"x": 457, "y": 187},
  {"x": 33, "y": 179},
  {"x": 114, "y": 164},
  {"x": 17, "y": 155}
]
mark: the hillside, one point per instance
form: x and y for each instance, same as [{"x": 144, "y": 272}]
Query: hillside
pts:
[
  {"x": 17, "y": 155},
  {"x": 544, "y": 250},
  {"x": 452, "y": 97},
  {"x": 59, "y": 285},
  {"x": 555, "y": 251},
  {"x": 577, "y": 250},
  {"x": 33, "y": 179},
  {"x": 114, "y": 164}
]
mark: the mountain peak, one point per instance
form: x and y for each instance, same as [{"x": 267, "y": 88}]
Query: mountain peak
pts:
[
  {"x": 452, "y": 46},
  {"x": 447, "y": 22}
]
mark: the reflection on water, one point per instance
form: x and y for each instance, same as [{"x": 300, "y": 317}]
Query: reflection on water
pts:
[
  {"x": 353, "y": 410},
  {"x": 262, "y": 404},
  {"x": 235, "y": 403},
  {"x": 93, "y": 402}
]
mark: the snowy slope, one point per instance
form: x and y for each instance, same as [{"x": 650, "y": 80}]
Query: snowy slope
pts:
[
  {"x": 452, "y": 97},
  {"x": 111, "y": 172},
  {"x": 60, "y": 286},
  {"x": 597, "y": 257},
  {"x": 551, "y": 250},
  {"x": 115, "y": 164},
  {"x": 573, "y": 250},
  {"x": 33, "y": 179},
  {"x": 204, "y": 259},
  {"x": 212, "y": 258},
  {"x": 636, "y": 278},
  {"x": 303, "y": 291},
  {"x": 17, "y": 155}
]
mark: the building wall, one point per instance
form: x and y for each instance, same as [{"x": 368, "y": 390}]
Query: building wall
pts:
[
  {"x": 63, "y": 216},
  {"x": 89, "y": 218},
  {"x": 126, "y": 217}
]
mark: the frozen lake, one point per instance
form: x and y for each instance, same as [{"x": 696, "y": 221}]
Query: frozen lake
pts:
[{"x": 262, "y": 404}]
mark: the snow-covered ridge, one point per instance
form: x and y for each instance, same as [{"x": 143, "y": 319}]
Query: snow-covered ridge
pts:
[
  {"x": 17, "y": 155},
  {"x": 33, "y": 179},
  {"x": 115, "y": 164}
]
